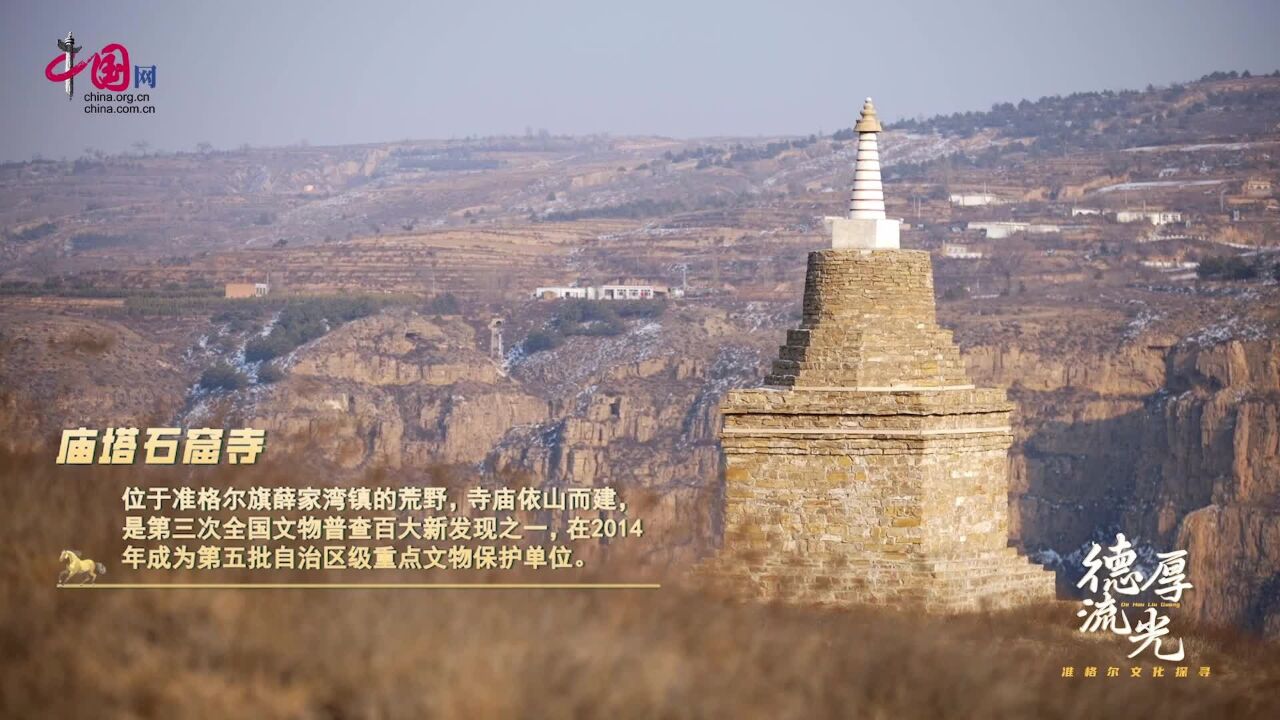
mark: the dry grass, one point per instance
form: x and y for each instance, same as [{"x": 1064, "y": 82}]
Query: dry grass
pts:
[
  {"x": 384, "y": 654},
  {"x": 84, "y": 341}
]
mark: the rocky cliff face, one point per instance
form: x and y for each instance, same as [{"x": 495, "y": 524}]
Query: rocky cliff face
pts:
[
  {"x": 397, "y": 390},
  {"x": 638, "y": 411},
  {"x": 1175, "y": 444},
  {"x": 1232, "y": 399}
]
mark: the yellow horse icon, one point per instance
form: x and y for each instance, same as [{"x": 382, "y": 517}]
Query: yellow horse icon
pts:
[{"x": 87, "y": 568}]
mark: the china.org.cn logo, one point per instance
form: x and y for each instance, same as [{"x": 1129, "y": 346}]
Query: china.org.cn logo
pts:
[{"x": 109, "y": 70}]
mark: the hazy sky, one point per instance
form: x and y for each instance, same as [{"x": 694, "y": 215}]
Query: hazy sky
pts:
[{"x": 278, "y": 72}]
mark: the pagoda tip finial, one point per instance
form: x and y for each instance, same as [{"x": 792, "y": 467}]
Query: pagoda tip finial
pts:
[{"x": 867, "y": 120}]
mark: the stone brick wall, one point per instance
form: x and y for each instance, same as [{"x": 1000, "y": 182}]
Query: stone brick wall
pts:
[
  {"x": 869, "y": 321},
  {"x": 871, "y": 470}
]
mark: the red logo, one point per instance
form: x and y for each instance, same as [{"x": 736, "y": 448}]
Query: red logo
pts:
[{"x": 110, "y": 68}]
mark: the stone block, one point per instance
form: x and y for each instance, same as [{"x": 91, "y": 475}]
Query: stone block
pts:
[{"x": 849, "y": 233}]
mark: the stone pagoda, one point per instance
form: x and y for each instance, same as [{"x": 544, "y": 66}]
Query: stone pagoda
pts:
[{"x": 869, "y": 468}]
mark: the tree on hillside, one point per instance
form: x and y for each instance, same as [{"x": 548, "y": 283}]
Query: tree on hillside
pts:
[{"x": 1007, "y": 262}]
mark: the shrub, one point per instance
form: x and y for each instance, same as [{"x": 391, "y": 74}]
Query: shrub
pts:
[
  {"x": 641, "y": 308},
  {"x": 270, "y": 347},
  {"x": 587, "y": 317},
  {"x": 1226, "y": 268},
  {"x": 302, "y": 322},
  {"x": 34, "y": 232},
  {"x": 86, "y": 342},
  {"x": 540, "y": 340},
  {"x": 223, "y": 377},
  {"x": 445, "y": 304},
  {"x": 269, "y": 373},
  {"x": 242, "y": 318},
  {"x": 98, "y": 241}
]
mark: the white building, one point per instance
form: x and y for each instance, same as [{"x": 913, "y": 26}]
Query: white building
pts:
[
  {"x": 1043, "y": 228},
  {"x": 959, "y": 252},
  {"x": 975, "y": 199},
  {"x": 561, "y": 293},
  {"x": 997, "y": 229},
  {"x": 632, "y": 292},
  {"x": 623, "y": 291},
  {"x": 1155, "y": 217},
  {"x": 1077, "y": 211},
  {"x": 1170, "y": 264}
]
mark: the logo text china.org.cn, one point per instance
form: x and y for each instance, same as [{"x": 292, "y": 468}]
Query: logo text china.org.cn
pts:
[{"x": 109, "y": 71}]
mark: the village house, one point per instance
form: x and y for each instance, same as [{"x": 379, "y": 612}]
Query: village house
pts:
[
  {"x": 622, "y": 291},
  {"x": 1155, "y": 217},
  {"x": 959, "y": 252},
  {"x": 1169, "y": 263},
  {"x": 1257, "y": 187},
  {"x": 563, "y": 292},
  {"x": 975, "y": 199},
  {"x": 997, "y": 229},
  {"x": 247, "y": 290}
]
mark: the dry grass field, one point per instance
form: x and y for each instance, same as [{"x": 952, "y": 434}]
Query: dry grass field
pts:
[{"x": 674, "y": 652}]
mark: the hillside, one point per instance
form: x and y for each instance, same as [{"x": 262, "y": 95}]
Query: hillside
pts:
[{"x": 1219, "y": 106}]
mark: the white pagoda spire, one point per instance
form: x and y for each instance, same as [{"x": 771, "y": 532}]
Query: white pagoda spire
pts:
[
  {"x": 865, "y": 227},
  {"x": 867, "y": 201}
]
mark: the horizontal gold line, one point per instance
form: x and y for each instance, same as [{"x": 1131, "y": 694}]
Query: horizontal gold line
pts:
[
  {"x": 363, "y": 586},
  {"x": 870, "y": 388},
  {"x": 863, "y": 432}
]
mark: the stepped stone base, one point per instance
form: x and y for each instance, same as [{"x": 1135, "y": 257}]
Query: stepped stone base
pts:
[
  {"x": 871, "y": 470},
  {"x": 987, "y": 582}
]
